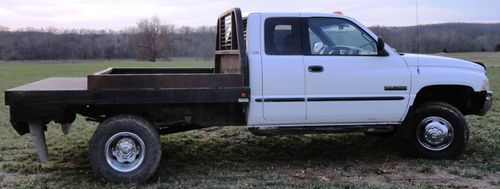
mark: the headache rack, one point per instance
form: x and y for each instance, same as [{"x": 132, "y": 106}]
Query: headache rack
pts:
[{"x": 230, "y": 49}]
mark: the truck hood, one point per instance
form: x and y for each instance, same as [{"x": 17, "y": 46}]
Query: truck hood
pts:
[{"x": 440, "y": 61}]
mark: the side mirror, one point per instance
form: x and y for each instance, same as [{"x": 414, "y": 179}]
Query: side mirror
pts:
[{"x": 381, "y": 47}]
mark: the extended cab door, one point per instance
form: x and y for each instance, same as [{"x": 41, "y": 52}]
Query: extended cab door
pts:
[
  {"x": 283, "y": 69},
  {"x": 346, "y": 82}
]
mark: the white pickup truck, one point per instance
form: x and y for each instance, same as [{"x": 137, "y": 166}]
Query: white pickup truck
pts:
[{"x": 276, "y": 73}]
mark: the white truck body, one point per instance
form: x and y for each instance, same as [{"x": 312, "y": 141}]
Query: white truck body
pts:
[{"x": 350, "y": 90}]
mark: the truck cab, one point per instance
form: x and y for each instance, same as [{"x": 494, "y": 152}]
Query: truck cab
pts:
[
  {"x": 309, "y": 69},
  {"x": 316, "y": 69}
]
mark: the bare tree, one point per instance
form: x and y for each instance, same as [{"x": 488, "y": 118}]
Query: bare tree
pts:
[
  {"x": 4, "y": 28},
  {"x": 150, "y": 42}
]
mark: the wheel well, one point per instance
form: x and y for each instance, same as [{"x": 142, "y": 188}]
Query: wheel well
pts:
[{"x": 459, "y": 96}]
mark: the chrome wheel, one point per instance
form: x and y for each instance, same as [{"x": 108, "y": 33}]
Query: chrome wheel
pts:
[
  {"x": 435, "y": 133},
  {"x": 124, "y": 151}
]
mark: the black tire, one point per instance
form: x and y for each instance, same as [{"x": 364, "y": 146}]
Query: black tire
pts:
[
  {"x": 438, "y": 115},
  {"x": 116, "y": 130}
]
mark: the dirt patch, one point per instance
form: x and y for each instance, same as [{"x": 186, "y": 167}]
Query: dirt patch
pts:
[{"x": 399, "y": 173}]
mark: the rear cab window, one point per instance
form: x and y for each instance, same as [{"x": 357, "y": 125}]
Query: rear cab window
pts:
[{"x": 283, "y": 36}]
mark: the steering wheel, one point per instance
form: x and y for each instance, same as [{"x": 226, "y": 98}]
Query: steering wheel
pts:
[{"x": 343, "y": 50}]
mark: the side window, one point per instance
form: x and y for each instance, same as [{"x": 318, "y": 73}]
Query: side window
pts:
[
  {"x": 339, "y": 37},
  {"x": 283, "y": 36}
]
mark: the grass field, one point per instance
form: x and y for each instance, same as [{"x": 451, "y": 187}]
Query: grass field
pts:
[{"x": 233, "y": 158}]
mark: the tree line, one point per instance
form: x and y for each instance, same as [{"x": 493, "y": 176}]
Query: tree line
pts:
[
  {"x": 447, "y": 37},
  {"x": 151, "y": 39}
]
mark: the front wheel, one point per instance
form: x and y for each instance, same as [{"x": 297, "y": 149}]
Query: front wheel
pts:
[
  {"x": 438, "y": 130},
  {"x": 125, "y": 149}
]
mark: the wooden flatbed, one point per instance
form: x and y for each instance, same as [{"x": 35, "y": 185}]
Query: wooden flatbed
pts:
[
  {"x": 60, "y": 98},
  {"x": 73, "y": 91}
]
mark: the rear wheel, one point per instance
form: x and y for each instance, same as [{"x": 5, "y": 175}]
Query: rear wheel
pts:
[
  {"x": 438, "y": 130},
  {"x": 124, "y": 149}
]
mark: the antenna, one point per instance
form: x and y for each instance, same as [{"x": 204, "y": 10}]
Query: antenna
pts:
[{"x": 418, "y": 31}]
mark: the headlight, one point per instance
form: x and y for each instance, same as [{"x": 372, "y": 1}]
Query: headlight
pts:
[{"x": 486, "y": 85}]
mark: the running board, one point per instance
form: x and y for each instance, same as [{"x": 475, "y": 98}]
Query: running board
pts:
[{"x": 272, "y": 131}]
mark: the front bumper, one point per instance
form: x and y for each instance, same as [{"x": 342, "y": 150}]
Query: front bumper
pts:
[{"x": 488, "y": 103}]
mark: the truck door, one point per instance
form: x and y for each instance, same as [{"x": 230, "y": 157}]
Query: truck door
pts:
[
  {"x": 283, "y": 69},
  {"x": 346, "y": 82}
]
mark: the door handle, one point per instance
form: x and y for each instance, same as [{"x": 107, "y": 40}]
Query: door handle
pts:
[{"x": 315, "y": 68}]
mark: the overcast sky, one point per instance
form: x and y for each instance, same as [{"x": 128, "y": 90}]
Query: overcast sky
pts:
[{"x": 118, "y": 14}]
